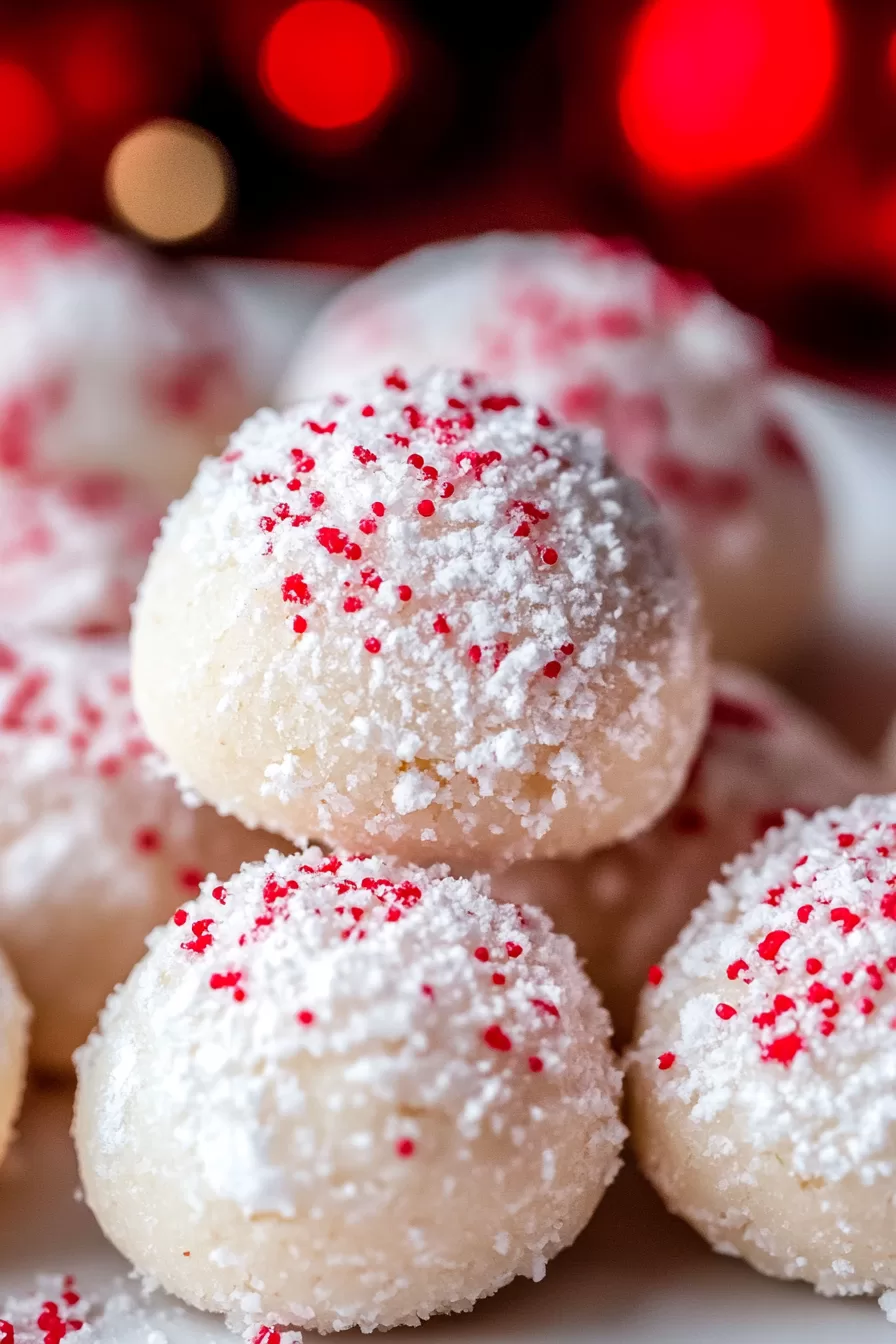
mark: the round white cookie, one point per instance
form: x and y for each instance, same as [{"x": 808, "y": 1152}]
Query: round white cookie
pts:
[
  {"x": 111, "y": 360},
  {"x": 347, "y": 1092},
  {"x": 763, "y": 1075},
  {"x": 602, "y": 335},
  {"x": 422, "y": 618},
  {"x": 95, "y": 850}
]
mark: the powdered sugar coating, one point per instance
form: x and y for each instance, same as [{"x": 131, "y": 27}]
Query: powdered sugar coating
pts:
[
  {"x": 425, "y": 617},
  {"x": 762, "y": 754},
  {"x": 94, "y": 850},
  {"x": 72, "y": 551},
  {"x": 763, "y": 1073},
  {"x": 356, "y": 1092},
  {"x": 110, "y": 361},
  {"x": 600, "y": 334},
  {"x": 15, "y": 1015}
]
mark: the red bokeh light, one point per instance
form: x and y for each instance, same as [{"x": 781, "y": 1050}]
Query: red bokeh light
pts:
[
  {"x": 712, "y": 88},
  {"x": 29, "y": 128},
  {"x": 102, "y": 67},
  {"x": 329, "y": 63}
]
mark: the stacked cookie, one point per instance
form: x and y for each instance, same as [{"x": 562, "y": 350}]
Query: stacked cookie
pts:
[
  {"x": 429, "y": 631},
  {"x": 118, "y": 377}
]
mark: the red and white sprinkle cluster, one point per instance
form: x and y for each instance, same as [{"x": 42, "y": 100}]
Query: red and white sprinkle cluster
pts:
[
  {"x": 72, "y": 551},
  {"x": 777, "y": 1007},
  {"x": 346, "y": 1038},
  {"x": 601, "y": 335},
  {"x": 110, "y": 361},
  {"x": 591, "y": 328},
  {"x": 60, "y": 1311},
  {"x": 95, "y": 848},
  {"x": 500, "y": 611}
]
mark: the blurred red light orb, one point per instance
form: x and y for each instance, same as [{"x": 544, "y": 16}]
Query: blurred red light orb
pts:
[
  {"x": 103, "y": 71},
  {"x": 29, "y": 128},
  {"x": 713, "y": 88},
  {"x": 329, "y": 63}
]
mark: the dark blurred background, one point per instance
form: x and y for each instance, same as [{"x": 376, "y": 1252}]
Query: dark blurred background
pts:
[{"x": 752, "y": 140}]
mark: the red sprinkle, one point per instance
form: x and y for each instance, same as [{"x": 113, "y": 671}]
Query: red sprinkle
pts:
[
  {"x": 405, "y": 592},
  {"x": 426, "y": 508},
  {"x": 866, "y": 1006},
  {"x": 440, "y": 625},
  {"x": 784, "y": 1049},
  {"x": 300, "y": 625},
  {"x": 655, "y": 975},
  {"x": 180, "y": 918},
  {"x": 372, "y": 645},
  {"x": 813, "y": 965},
  {"x": 499, "y": 979},
  {"x": 846, "y": 918},
  {"x": 725, "y": 1011},
  {"x": 364, "y": 455},
  {"x": 535, "y": 1066},
  {"x": 513, "y": 950},
  {"x": 295, "y": 589},
  {"x": 846, "y": 839},
  {"x": 666, "y": 1060},
  {"x": 496, "y": 1039},
  {"x": 735, "y": 969},
  {"x": 481, "y": 954},
  {"x": 549, "y": 555},
  {"x": 378, "y": 508},
  {"x": 305, "y": 1017},
  {"x": 552, "y": 669},
  {"x": 803, "y": 913},
  {"x": 332, "y": 539},
  {"x": 405, "y": 1147},
  {"x": 772, "y": 943}
]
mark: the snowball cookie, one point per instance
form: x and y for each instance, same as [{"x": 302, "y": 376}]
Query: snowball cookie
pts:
[
  {"x": 763, "y": 1080},
  {"x": 72, "y": 551},
  {"x": 14, "y": 1017},
  {"x": 427, "y": 618},
  {"x": 109, "y": 360},
  {"x": 600, "y": 334},
  {"x": 93, "y": 850},
  {"x": 347, "y": 1092},
  {"x": 762, "y": 753}
]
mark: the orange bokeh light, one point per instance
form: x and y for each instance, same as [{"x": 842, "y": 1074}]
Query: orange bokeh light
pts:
[
  {"x": 29, "y": 128},
  {"x": 711, "y": 90},
  {"x": 329, "y": 64}
]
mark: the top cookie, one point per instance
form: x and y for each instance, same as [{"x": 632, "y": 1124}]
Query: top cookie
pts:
[{"x": 423, "y": 618}]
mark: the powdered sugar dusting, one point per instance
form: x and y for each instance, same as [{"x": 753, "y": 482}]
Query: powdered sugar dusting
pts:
[
  {"x": 59, "y": 1309},
  {"x": 72, "y": 552},
  {"x": 601, "y": 335},
  {"x": 800, "y": 942},
  {"x": 89, "y": 841},
  {"x": 487, "y": 582},
  {"x": 106, "y": 391},
  {"x": 336, "y": 1038}
]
